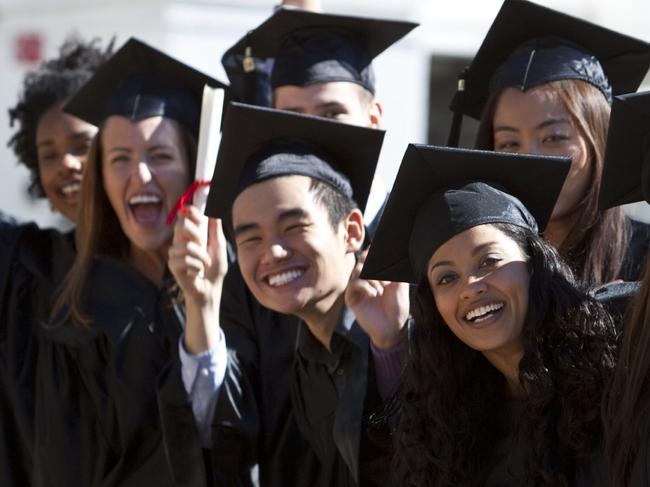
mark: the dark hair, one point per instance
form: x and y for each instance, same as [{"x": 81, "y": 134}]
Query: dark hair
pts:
[
  {"x": 451, "y": 394},
  {"x": 628, "y": 394},
  {"x": 54, "y": 81},
  {"x": 595, "y": 248},
  {"x": 337, "y": 204}
]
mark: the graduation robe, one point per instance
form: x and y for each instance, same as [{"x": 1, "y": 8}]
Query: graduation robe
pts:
[
  {"x": 258, "y": 421},
  {"x": 105, "y": 405}
]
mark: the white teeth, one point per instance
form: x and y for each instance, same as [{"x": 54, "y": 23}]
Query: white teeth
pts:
[
  {"x": 284, "y": 278},
  {"x": 478, "y": 313},
  {"x": 70, "y": 188},
  {"x": 142, "y": 199}
]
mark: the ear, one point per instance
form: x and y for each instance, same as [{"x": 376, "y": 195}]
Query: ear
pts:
[
  {"x": 375, "y": 114},
  {"x": 354, "y": 230}
]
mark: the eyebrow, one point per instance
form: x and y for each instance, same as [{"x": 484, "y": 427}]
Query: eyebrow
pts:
[
  {"x": 544, "y": 124},
  {"x": 76, "y": 135},
  {"x": 476, "y": 251},
  {"x": 285, "y": 215}
]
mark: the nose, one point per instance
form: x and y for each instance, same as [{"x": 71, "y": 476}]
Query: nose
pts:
[
  {"x": 143, "y": 172},
  {"x": 276, "y": 252},
  {"x": 70, "y": 162},
  {"x": 474, "y": 286},
  {"x": 531, "y": 147}
]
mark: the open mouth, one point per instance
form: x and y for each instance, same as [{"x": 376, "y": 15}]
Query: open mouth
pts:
[
  {"x": 146, "y": 208},
  {"x": 284, "y": 278},
  {"x": 484, "y": 312}
]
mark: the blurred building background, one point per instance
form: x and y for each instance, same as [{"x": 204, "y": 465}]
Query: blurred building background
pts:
[{"x": 416, "y": 78}]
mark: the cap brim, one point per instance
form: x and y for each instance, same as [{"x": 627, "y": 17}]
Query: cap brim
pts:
[
  {"x": 624, "y": 59},
  {"x": 535, "y": 180}
]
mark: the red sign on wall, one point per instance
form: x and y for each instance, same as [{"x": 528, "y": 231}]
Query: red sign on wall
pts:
[{"x": 28, "y": 48}]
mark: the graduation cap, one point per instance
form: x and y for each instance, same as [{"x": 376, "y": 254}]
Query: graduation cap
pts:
[
  {"x": 529, "y": 45},
  {"x": 260, "y": 143},
  {"x": 441, "y": 191},
  {"x": 139, "y": 82},
  {"x": 627, "y": 155},
  {"x": 310, "y": 47}
]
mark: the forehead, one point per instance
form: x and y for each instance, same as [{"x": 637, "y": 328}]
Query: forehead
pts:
[
  {"x": 461, "y": 246},
  {"x": 266, "y": 199},
  {"x": 121, "y": 130},
  {"x": 538, "y": 103},
  {"x": 342, "y": 92},
  {"x": 54, "y": 122}
]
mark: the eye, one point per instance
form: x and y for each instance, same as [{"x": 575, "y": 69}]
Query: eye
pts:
[
  {"x": 489, "y": 261},
  {"x": 49, "y": 157},
  {"x": 555, "y": 138},
  {"x": 446, "y": 278},
  {"x": 296, "y": 227},
  {"x": 82, "y": 148},
  {"x": 162, "y": 157},
  {"x": 248, "y": 241},
  {"x": 507, "y": 145},
  {"x": 334, "y": 113},
  {"x": 120, "y": 159}
]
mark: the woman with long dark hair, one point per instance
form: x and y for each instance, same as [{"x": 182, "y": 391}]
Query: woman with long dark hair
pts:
[
  {"x": 550, "y": 94},
  {"x": 627, "y": 409},
  {"x": 97, "y": 378},
  {"x": 507, "y": 356}
]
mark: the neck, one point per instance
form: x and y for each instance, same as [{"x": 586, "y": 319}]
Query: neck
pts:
[
  {"x": 150, "y": 264},
  {"x": 323, "y": 324},
  {"x": 507, "y": 362},
  {"x": 558, "y": 229}
]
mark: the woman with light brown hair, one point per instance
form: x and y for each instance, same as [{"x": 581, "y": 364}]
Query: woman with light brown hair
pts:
[
  {"x": 98, "y": 377},
  {"x": 550, "y": 94}
]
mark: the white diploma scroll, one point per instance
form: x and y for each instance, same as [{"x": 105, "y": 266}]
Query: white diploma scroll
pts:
[{"x": 209, "y": 140}]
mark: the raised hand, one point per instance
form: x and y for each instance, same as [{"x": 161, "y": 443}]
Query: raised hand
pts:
[
  {"x": 199, "y": 269},
  {"x": 380, "y": 307}
]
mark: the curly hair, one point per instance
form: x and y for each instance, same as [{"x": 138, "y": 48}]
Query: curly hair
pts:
[
  {"x": 452, "y": 397},
  {"x": 55, "y": 80}
]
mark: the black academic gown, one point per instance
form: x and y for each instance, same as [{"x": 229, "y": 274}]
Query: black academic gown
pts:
[
  {"x": 105, "y": 405},
  {"x": 510, "y": 454},
  {"x": 255, "y": 418},
  {"x": 640, "y": 475}
]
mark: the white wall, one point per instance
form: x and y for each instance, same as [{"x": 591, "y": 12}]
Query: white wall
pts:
[{"x": 198, "y": 31}]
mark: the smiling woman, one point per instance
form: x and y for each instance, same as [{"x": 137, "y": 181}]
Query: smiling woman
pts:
[
  {"x": 508, "y": 357},
  {"x": 98, "y": 378}
]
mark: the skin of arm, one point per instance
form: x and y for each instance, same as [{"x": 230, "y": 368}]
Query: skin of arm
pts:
[{"x": 199, "y": 270}]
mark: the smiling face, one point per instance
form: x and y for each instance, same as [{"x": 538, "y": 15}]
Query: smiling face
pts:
[
  {"x": 290, "y": 256},
  {"x": 479, "y": 280},
  {"x": 342, "y": 101},
  {"x": 145, "y": 170},
  {"x": 536, "y": 122},
  {"x": 62, "y": 143}
]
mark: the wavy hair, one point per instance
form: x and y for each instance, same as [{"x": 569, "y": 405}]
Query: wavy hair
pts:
[
  {"x": 55, "y": 80},
  {"x": 595, "y": 248},
  {"x": 451, "y": 394},
  {"x": 99, "y": 231}
]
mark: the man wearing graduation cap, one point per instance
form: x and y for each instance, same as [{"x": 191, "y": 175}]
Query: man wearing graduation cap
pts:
[
  {"x": 288, "y": 197},
  {"x": 322, "y": 66}
]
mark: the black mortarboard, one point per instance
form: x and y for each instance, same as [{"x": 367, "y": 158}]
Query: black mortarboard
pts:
[
  {"x": 260, "y": 143},
  {"x": 441, "y": 191},
  {"x": 529, "y": 45},
  {"x": 310, "y": 47},
  {"x": 139, "y": 82},
  {"x": 626, "y": 170}
]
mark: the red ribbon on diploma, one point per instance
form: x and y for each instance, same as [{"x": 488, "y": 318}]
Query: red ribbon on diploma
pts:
[{"x": 186, "y": 198}]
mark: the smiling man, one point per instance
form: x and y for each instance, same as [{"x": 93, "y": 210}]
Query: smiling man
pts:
[{"x": 291, "y": 193}]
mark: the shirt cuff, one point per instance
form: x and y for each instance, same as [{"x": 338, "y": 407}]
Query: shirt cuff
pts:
[
  {"x": 388, "y": 367},
  {"x": 212, "y": 362}
]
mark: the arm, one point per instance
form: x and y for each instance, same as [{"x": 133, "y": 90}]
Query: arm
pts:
[{"x": 200, "y": 272}]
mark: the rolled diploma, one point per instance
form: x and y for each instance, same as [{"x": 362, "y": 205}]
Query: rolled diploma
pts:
[{"x": 208, "y": 147}]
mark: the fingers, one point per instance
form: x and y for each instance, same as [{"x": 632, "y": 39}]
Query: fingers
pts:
[{"x": 188, "y": 226}]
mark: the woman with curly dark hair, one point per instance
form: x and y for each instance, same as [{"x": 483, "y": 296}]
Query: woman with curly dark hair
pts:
[
  {"x": 507, "y": 356},
  {"x": 542, "y": 83},
  {"x": 52, "y": 144}
]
